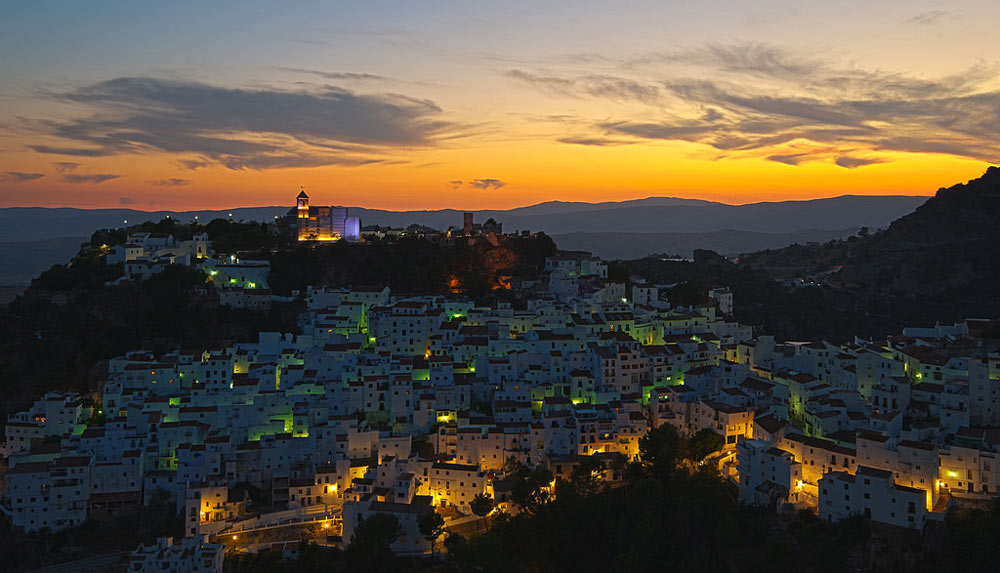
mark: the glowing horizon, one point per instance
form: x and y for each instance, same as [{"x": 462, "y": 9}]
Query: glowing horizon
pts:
[{"x": 474, "y": 106}]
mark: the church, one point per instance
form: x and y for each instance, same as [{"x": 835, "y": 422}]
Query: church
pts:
[{"x": 324, "y": 223}]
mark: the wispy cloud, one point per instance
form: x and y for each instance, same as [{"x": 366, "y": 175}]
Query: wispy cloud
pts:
[
  {"x": 599, "y": 86},
  {"x": 75, "y": 151},
  {"x": 172, "y": 182},
  {"x": 930, "y": 17},
  {"x": 20, "y": 176},
  {"x": 593, "y": 141},
  {"x": 477, "y": 183},
  {"x": 65, "y": 166},
  {"x": 790, "y": 159},
  {"x": 487, "y": 183},
  {"x": 855, "y": 162},
  {"x": 759, "y": 100},
  {"x": 92, "y": 178},
  {"x": 243, "y": 128},
  {"x": 334, "y": 75}
]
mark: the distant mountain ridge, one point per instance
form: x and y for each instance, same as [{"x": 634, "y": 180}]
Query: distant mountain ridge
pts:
[
  {"x": 673, "y": 224},
  {"x": 726, "y": 242},
  {"x": 650, "y": 215}
]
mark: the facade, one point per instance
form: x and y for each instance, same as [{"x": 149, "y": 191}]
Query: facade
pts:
[
  {"x": 767, "y": 475},
  {"x": 52, "y": 495},
  {"x": 871, "y": 493}
]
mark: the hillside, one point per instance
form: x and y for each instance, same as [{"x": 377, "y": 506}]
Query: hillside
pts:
[
  {"x": 947, "y": 246},
  {"x": 938, "y": 263},
  {"x": 59, "y": 332}
]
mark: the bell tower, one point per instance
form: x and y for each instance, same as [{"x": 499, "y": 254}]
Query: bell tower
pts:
[{"x": 302, "y": 204}]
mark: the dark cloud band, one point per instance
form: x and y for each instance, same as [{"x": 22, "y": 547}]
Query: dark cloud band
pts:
[{"x": 243, "y": 128}]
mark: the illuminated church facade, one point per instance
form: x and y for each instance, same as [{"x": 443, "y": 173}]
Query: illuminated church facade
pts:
[{"x": 324, "y": 223}]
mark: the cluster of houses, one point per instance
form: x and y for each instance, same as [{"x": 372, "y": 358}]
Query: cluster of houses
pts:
[
  {"x": 406, "y": 405},
  {"x": 239, "y": 283},
  {"x": 145, "y": 254}
]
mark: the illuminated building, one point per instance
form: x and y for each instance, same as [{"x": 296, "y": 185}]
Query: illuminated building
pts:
[
  {"x": 874, "y": 494},
  {"x": 324, "y": 223}
]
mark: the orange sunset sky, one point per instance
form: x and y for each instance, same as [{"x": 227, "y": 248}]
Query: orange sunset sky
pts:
[{"x": 471, "y": 105}]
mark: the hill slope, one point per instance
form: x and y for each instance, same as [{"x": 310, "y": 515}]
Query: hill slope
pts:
[
  {"x": 949, "y": 244},
  {"x": 938, "y": 263}
]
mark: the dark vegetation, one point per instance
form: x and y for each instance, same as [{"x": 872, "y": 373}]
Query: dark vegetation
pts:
[
  {"x": 412, "y": 264},
  {"x": 810, "y": 313}
]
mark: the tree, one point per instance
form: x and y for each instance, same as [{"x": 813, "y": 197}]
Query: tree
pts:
[
  {"x": 587, "y": 476},
  {"x": 431, "y": 526},
  {"x": 422, "y": 446},
  {"x": 514, "y": 468},
  {"x": 660, "y": 449},
  {"x": 618, "y": 272},
  {"x": 702, "y": 444},
  {"x": 369, "y": 548},
  {"x": 531, "y": 491},
  {"x": 688, "y": 293},
  {"x": 482, "y": 505}
]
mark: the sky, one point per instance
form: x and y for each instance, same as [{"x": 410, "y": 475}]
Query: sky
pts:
[{"x": 476, "y": 105}]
